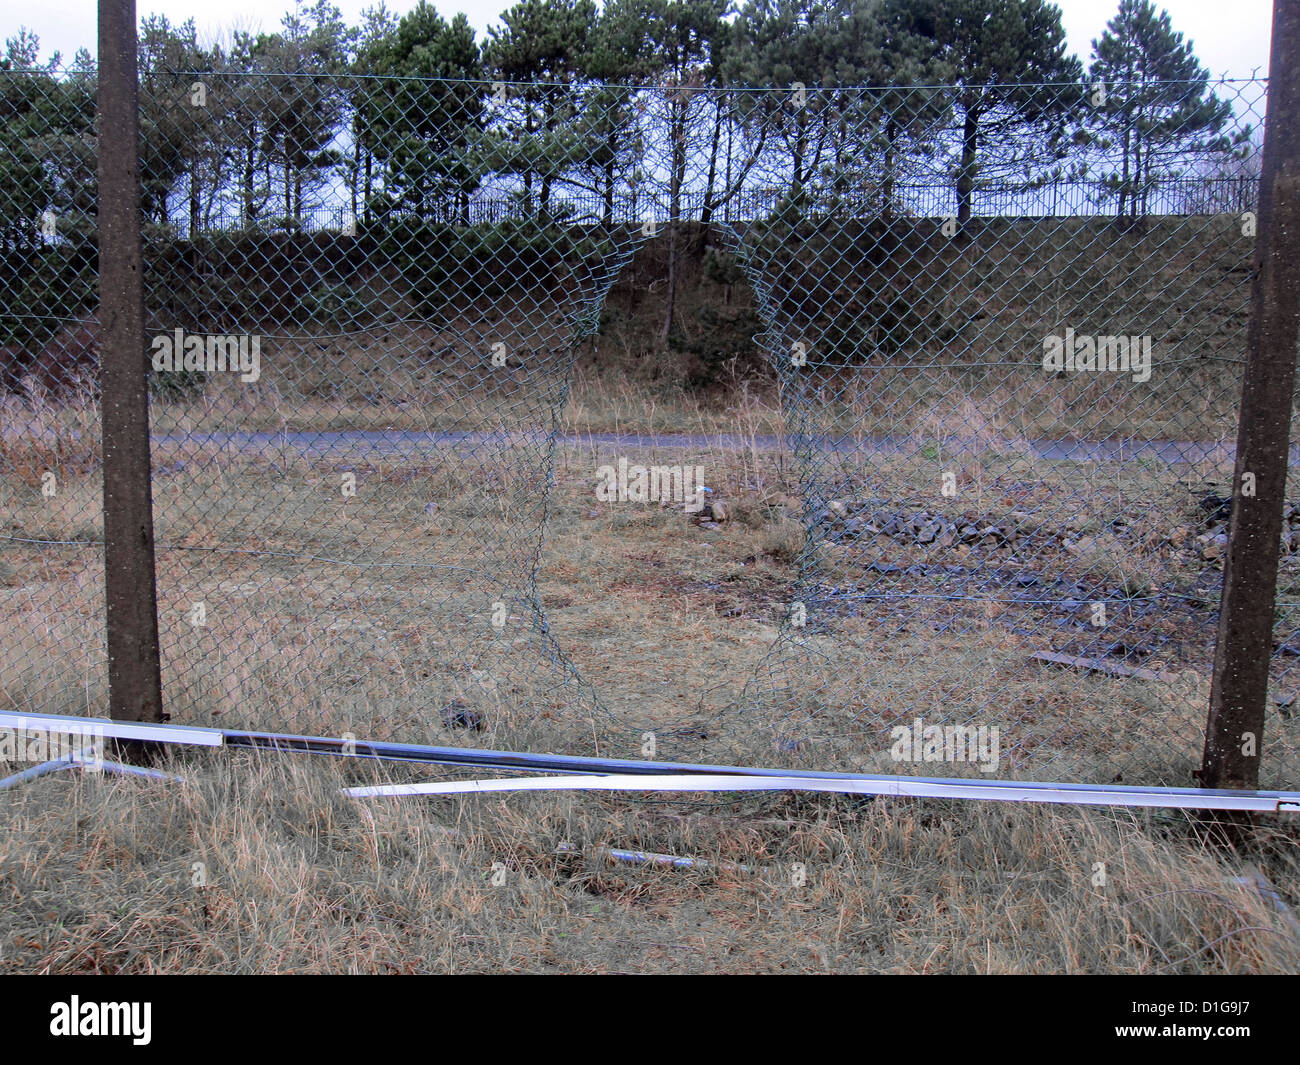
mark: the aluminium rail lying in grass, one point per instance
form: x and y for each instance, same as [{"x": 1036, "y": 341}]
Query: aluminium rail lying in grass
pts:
[{"x": 615, "y": 774}]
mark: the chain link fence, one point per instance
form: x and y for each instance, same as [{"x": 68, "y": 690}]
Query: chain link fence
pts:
[
  {"x": 1015, "y": 441},
  {"x": 1008, "y": 363}
]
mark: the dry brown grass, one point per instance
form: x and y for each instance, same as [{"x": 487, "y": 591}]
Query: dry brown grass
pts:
[
  {"x": 98, "y": 875},
  {"x": 669, "y": 621},
  {"x": 39, "y": 434}
]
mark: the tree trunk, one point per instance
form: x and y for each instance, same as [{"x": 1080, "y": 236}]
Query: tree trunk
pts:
[
  {"x": 1124, "y": 190},
  {"x": 195, "y": 199},
  {"x": 250, "y": 209},
  {"x": 529, "y": 130},
  {"x": 671, "y": 298},
  {"x": 609, "y": 193},
  {"x": 887, "y": 189},
  {"x": 708, "y": 207},
  {"x": 969, "y": 157},
  {"x": 356, "y": 173},
  {"x": 706, "y": 211},
  {"x": 796, "y": 187},
  {"x": 677, "y": 127}
]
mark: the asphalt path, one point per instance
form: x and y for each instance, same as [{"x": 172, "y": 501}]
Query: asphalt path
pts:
[{"x": 395, "y": 443}]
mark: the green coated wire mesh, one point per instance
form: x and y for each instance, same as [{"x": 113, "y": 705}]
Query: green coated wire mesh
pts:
[{"x": 1008, "y": 373}]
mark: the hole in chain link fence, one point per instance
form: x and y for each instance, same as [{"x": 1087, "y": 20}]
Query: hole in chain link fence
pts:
[{"x": 1008, "y": 402}]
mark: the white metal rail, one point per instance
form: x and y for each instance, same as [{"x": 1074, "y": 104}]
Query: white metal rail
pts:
[{"x": 614, "y": 774}]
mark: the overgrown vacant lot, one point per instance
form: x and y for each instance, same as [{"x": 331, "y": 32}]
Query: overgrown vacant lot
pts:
[
  {"x": 674, "y": 625},
  {"x": 668, "y": 621}
]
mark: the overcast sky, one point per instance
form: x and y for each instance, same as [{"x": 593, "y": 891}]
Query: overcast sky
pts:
[{"x": 1229, "y": 36}]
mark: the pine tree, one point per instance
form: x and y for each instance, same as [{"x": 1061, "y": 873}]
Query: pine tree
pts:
[
  {"x": 540, "y": 54},
  {"x": 855, "y": 140},
  {"x": 689, "y": 38},
  {"x": 175, "y": 136},
  {"x": 1154, "y": 115},
  {"x": 375, "y": 40},
  {"x": 299, "y": 110},
  {"x": 425, "y": 115},
  {"x": 1015, "y": 88},
  {"x": 620, "y": 56}
]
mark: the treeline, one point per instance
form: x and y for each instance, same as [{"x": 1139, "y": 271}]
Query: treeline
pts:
[{"x": 667, "y": 108}]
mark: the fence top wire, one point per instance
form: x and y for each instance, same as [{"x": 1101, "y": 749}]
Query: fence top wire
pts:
[{"x": 689, "y": 81}]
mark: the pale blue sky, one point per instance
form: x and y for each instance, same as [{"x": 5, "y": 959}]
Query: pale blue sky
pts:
[{"x": 1229, "y": 37}]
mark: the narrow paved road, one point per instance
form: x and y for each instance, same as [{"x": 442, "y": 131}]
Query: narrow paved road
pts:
[{"x": 387, "y": 444}]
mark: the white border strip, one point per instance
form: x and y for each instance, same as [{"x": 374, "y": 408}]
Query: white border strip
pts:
[
  {"x": 1002, "y": 790},
  {"x": 119, "y": 730}
]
